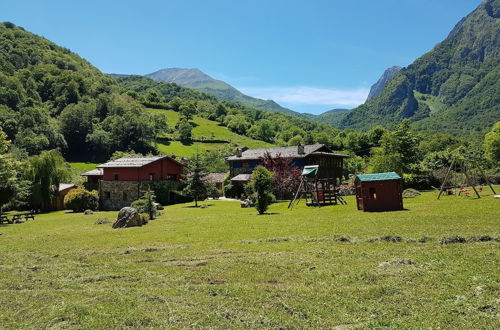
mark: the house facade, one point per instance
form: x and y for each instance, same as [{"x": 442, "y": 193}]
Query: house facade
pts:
[
  {"x": 242, "y": 164},
  {"x": 125, "y": 180}
]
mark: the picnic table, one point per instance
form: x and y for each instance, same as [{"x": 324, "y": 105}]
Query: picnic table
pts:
[
  {"x": 27, "y": 215},
  {"x": 4, "y": 218},
  {"x": 17, "y": 218}
]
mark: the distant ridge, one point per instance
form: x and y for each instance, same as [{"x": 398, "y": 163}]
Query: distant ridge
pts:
[{"x": 196, "y": 79}]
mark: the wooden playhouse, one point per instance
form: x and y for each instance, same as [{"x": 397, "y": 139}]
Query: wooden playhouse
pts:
[{"x": 379, "y": 192}]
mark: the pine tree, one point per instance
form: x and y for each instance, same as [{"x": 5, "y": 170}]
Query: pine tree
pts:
[{"x": 196, "y": 187}]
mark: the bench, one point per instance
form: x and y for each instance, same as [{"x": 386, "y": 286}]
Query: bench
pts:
[{"x": 18, "y": 217}]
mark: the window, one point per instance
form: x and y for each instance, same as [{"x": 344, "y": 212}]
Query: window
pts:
[
  {"x": 237, "y": 164},
  {"x": 107, "y": 195},
  {"x": 125, "y": 196},
  {"x": 116, "y": 177},
  {"x": 252, "y": 164},
  {"x": 151, "y": 176},
  {"x": 372, "y": 193}
]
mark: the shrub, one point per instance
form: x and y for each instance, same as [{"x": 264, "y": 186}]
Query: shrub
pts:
[
  {"x": 261, "y": 183},
  {"x": 212, "y": 191},
  {"x": 80, "y": 199},
  {"x": 146, "y": 205},
  {"x": 144, "y": 218}
]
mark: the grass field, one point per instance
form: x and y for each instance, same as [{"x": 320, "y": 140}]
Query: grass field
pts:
[
  {"x": 204, "y": 133},
  {"x": 226, "y": 267}
]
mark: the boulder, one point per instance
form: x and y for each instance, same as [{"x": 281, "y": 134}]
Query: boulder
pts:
[{"x": 128, "y": 217}]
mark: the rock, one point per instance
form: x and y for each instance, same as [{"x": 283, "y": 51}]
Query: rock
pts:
[
  {"x": 128, "y": 217},
  {"x": 384, "y": 264},
  {"x": 88, "y": 212},
  {"x": 480, "y": 288},
  {"x": 411, "y": 193}
]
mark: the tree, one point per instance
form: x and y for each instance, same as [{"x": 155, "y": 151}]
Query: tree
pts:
[
  {"x": 48, "y": 170},
  {"x": 238, "y": 124},
  {"x": 160, "y": 125},
  {"x": 261, "y": 183},
  {"x": 296, "y": 140},
  {"x": 491, "y": 144},
  {"x": 196, "y": 187},
  {"x": 7, "y": 171},
  {"x": 286, "y": 174},
  {"x": 76, "y": 124},
  {"x": 184, "y": 129},
  {"x": 263, "y": 130},
  {"x": 398, "y": 151},
  {"x": 187, "y": 109}
]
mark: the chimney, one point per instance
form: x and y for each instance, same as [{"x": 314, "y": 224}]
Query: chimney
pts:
[
  {"x": 239, "y": 151},
  {"x": 300, "y": 149}
]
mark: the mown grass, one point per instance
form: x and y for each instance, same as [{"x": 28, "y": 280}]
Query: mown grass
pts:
[
  {"x": 206, "y": 134},
  {"x": 226, "y": 267},
  {"x": 80, "y": 167}
]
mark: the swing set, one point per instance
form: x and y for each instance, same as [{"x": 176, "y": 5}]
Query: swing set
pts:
[{"x": 461, "y": 190}]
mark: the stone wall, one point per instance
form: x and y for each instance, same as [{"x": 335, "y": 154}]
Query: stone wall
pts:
[{"x": 115, "y": 195}]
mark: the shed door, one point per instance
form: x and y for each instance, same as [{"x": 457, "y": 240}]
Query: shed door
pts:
[{"x": 359, "y": 196}]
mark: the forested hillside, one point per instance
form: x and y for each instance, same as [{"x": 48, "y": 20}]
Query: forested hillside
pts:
[
  {"x": 454, "y": 88},
  {"x": 51, "y": 98}
]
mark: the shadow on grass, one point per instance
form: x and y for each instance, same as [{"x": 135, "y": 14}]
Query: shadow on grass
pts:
[
  {"x": 383, "y": 211},
  {"x": 198, "y": 207},
  {"x": 163, "y": 141}
]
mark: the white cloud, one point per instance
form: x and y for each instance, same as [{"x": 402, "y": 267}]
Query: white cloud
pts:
[{"x": 309, "y": 95}]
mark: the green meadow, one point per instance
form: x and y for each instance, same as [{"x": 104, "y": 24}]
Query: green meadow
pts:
[
  {"x": 206, "y": 135},
  {"x": 433, "y": 265}
]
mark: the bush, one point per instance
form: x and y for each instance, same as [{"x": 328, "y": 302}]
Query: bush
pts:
[
  {"x": 212, "y": 191},
  {"x": 261, "y": 183},
  {"x": 146, "y": 205},
  {"x": 80, "y": 199},
  {"x": 144, "y": 218}
]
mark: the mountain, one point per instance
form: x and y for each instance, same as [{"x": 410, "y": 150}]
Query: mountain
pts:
[
  {"x": 331, "y": 117},
  {"x": 377, "y": 88},
  {"x": 196, "y": 79},
  {"x": 455, "y": 87}
]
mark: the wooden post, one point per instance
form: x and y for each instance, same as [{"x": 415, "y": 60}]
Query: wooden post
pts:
[
  {"x": 484, "y": 177},
  {"x": 290, "y": 205},
  {"x": 469, "y": 183},
  {"x": 446, "y": 178}
]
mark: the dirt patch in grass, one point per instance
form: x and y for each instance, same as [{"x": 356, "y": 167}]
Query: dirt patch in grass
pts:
[{"x": 452, "y": 240}]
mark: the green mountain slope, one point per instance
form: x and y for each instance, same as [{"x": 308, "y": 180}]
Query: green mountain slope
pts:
[
  {"x": 332, "y": 117},
  {"x": 196, "y": 79},
  {"x": 455, "y": 87},
  {"x": 207, "y": 135},
  {"x": 52, "y": 98}
]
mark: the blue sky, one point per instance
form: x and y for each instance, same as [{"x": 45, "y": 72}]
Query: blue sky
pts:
[{"x": 310, "y": 56}]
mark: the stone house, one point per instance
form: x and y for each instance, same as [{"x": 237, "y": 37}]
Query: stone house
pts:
[{"x": 125, "y": 180}]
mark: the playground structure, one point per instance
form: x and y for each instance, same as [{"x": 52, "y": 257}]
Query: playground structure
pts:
[
  {"x": 461, "y": 164},
  {"x": 318, "y": 189}
]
